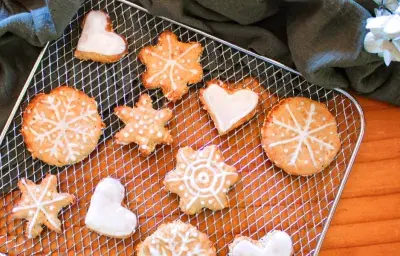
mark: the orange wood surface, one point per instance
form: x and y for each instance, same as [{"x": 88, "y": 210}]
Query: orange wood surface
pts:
[{"x": 367, "y": 220}]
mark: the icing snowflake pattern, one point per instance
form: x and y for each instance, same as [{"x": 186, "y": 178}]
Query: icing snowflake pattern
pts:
[
  {"x": 303, "y": 135},
  {"x": 201, "y": 179},
  {"x": 64, "y": 127},
  {"x": 171, "y": 65},
  {"x": 38, "y": 201},
  {"x": 177, "y": 239}
]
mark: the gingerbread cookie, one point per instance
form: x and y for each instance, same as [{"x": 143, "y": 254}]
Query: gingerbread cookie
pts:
[
  {"x": 61, "y": 127},
  {"x": 145, "y": 126},
  {"x": 300, "y": 136},
  {"x": 228, "y": 108},
  {"x": 201, "y": 179},
  {"x": 171, "y": 65},
  {"x": 176, "y": 238},
  {"x": 106, "y": 215},
  {"x": 40, "y": 204},
  {"x": 98, "y": 42},
  {"x": 275, "y": 243}
]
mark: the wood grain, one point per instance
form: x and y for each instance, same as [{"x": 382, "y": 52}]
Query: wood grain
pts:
[{"x": 367, "y": 220}]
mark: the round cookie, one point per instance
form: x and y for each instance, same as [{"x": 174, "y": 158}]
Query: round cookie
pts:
[
  {"x": 300, "y": 136},
  {"x": 176, "y": 238},
  {"x": 62, "y": 127}
]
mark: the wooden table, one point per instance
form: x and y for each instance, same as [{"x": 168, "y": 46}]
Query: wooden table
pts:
[{"x": 367, "y": 220}]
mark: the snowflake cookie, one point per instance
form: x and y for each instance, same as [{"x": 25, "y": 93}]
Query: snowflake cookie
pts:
[
  {"x": 144, "y": 125},
  {"x": 61, "y": 127},
  {"x": 300, "y": 136},
  {"x": 98, "y": 42},
  {"x": 40, "y": 204},
  {"x": 171, "y": 65},
  {"x": 228, "y": 108},
  {"x": 176, "y": 239},
  {"x": 201, "y": 179},
  {"x": 275, "y": 243}
]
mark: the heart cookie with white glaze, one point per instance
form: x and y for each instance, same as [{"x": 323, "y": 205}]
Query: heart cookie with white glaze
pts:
[
  {"x": 275, "y": 243},
  {"x": 98, "y": 42},
  {"x": 228, "y": 108},
  {"x": 106, "y": 215}
]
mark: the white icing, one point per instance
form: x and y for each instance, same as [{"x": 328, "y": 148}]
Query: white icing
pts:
[
  {"x": 276, "y": 243},
  {"x": 171, "y": 63},
  {"x": 304, "y": 135},
  {"x": 38, "y": 204},
  {"x": 96, "y": 39},
  {"x": 203, "y": 177},
  {"x": 106, "y": 215},
  {"x": 63, "y": 122},
  {"x": 227, "y": 108}
]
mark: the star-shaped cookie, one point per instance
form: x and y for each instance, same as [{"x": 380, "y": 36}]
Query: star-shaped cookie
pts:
[
  {"x": 40, "y": 204},
  {"x": 171, "y": 65},
  {"x": 201, "y": 179},
  {"x": 145, "y": 125}
]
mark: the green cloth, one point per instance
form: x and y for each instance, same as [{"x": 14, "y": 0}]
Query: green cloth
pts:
[{"x": 321, "y": 39}]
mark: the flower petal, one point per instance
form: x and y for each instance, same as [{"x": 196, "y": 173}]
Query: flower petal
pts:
[
  {"x": 387, "y": 57},
  {"x": 392, "y": 27},
  {"x": 376, "y": 25},
  {"x": 372, "y": 44}
]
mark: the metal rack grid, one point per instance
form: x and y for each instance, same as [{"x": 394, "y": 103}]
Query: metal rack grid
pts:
[{"x": 265, "y": 199}]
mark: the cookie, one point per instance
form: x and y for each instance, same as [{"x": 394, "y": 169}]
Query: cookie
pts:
[
  {"x": 176, "y": 238},
  {"x": 62, "y": 127},
  {"x": 106, "y": 215},
  {"x": 98, "y": 42},
  {"x": 40, "y": 204},
  {"x": 275, "y": 243},
  {"x": 171, "y": 65},
  {"x": 145, "y": 126},
  {"x": 228, "y": 108},
  {"x": 300, "y": 136},
  {"x": 201, "y": 179}
]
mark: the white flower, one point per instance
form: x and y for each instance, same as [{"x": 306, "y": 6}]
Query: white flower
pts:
[{"x": 384, "y": 36}]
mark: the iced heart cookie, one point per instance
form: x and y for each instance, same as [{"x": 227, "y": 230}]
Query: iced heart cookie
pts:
[
  {"x": 40, "y": 204},
  {"x": 98, "y": 42},
  {"x": 61, "y": 127},
  {"x": 106, "y": 215},
  {"x": 275, "y": 243},
  {"x": 171, "y": 65},
  {"x": 176, "y": 238},
  {"x": 228, "y": 108},
  {"x": 145, "y": 126},
  {"x": 201, "y": 179},
  {"x": 300, "y": 136}
]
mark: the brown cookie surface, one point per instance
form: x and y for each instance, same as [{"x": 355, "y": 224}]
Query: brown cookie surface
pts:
[
  {"x": 98, "y": 41},
  {"x": 145, "y": 125},
  {"x": 40, "y": 204},
  {"x": 201, "y": 179},
  {"x": 300, "y": 136},
  {"x": 176, "y": 238},
  {"x": 171, "y": 65},
  {"x": 62, "y": 127}
]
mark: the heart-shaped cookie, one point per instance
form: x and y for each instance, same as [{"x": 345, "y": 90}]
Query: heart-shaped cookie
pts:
[
  {"x": 275, "y": 243},
  {"x": 229, "y": 108},
  {"x": 106, "y": 215},
  {"x": 98, "y": 42}
]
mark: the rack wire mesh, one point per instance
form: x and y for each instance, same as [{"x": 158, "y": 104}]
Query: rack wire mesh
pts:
[{"x": 266, "y": 198}]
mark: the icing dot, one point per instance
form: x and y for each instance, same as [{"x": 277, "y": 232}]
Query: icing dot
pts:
[
  {"x": 82, "y": 147},
  {"x": 182, "y": 61},
  {"x": 282, "y": 135},
  {"x": 146, "y": 117},
  {"x": 160, "y": 63},
  {"x": 159, "y": 134},
  {"x": 306, "y": 161},
  {"x": 203, "y": 203},
  {"x": 126, "y": 135},
  {"x": 285, "y": 150},
  {"x": 37, "y": 189},
  {"x": 137, "y": 117},
  {"x": 40, "y": 151},
  {"x": 136, "y": 126},
  {"x": 224, "y": 190},
  {"x": 141, "y": 122},
  {"x": 188, "y": 60},
  {"x": 228, "y": 182},
  {"x": 156, "y": 118},
  {"x": 31, "y": 213},
  {"x": 178, "y": 77},
  {"x": 164, "y": 76},
  {"x": 124, "y": 112},
  {"x": 221, "y": 164},
  {"x": 273, "y": 135},
  {"x": 210, "y": 201},
  {"x": 49, "y": 193},
  {"x": 131, "y": 114},
  {"x": 162, "y": 82},
  {"x": 324, "y": 118},
  {"x": 293, "y": 134},
  {"x": 201, "y": 154},
  {"x": 77, "y": 136},
  {"x": 217, "y": 157},
  {"x": 161, "y": 115},
  {"x": 320, "y": 159},
  {"x": 51, "y": 208},
  {"x": 153, "y": 65},
  {"x": 153, "y": 241},
  {"x": 26, "y": 200},
  {"x": 49, "y": 126},
  {"x": 302, "y": 103},
  {"x": 176, "y": 72},
  {"x": 181, "y": 187},
  {"x": 144, "y": 140},
  {"x": 71, "y": 136},
  {"x": 145, "y": 147},
  {"x": 183, "y": 166},
  {"x": 140, "y": 131},
  {"x": 317, "y": 151},
  {"x": 151, "y": 131},
  {"x": 331, "y": 132},
  {"x": 186, "y": 195}
]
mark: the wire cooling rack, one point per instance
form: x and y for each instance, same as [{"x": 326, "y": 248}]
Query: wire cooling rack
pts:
[{"x": 265, "y": 198}]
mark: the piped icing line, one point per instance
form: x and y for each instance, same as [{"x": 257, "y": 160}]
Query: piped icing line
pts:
[{"x": 304, "y": 134}]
